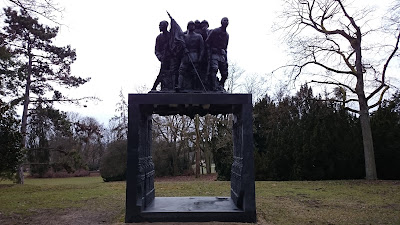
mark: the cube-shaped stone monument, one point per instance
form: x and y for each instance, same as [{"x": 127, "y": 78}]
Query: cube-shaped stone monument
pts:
[{"x": 141, "y": 203}]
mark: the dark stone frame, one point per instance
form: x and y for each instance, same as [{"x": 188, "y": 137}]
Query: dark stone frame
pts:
[{"x": 140, "y": 192}]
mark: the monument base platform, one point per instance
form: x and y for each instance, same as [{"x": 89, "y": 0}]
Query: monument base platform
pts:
[{"x": 199, "y": 209}]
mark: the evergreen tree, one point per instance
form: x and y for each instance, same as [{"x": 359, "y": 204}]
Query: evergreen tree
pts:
[
  {"x": 10, "y": 143},
  {"x": 42, "y": 64},
  {"x": 38, "y": 143},
  {"x": 50, "y": 141},
  {"x": 222, "y": 147},
  {"x": 306, "y": 138},
  {"x": 275, "y": 135},
  {"x": 113, "y": 164},
  {"x": 386, "y": 132}
]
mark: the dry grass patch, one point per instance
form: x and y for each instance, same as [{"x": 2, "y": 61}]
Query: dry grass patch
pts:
[
  {"x": 88, "y": 200},
  {"x": 329, "y": 202}
]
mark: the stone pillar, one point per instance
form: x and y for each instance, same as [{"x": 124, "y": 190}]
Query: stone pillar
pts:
[
  {"x": 247, "y": 153},
  {"x": 140, "y": 190},
  {"x": 242, "y": 173}
]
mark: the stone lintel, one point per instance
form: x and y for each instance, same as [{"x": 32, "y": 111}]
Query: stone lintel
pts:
[{"x": 191, "y": 98}]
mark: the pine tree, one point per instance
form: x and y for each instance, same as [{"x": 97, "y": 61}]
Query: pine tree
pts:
[
  {"x": 386, "y": 132},
  {"x": 43, "y": 65},
  {"x": 10, "y": 141}
]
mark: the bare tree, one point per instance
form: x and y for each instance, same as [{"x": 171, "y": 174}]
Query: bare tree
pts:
[
  {"x": 177, "y": 132},
  {"x": 393, "y": 18},
  {"x": 255, "y": 85},
  {"x": 90, "y": 134},
  {"x": 118, "y": 124},
  {"x": 235, "y": 72},
  {"x": 48, "y": 9},
  {"x": 335, "y": 42}
]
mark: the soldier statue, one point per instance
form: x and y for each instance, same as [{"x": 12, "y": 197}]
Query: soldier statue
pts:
[
  {"x": 191, "y": 60},
  {"x": 189, "y": 77},
  {"x": 217, "y": 44}
]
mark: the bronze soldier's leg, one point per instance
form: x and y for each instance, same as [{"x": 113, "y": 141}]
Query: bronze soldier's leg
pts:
[
  {"x": 223, "y": 69},
  {"x": 181, "y": 77},
  {"x": 166, "y": 82},
  {"x": 213, "y": 74},
  {"x": 174, "y": 71},
  {"x": 163, "y": 76},
  {"x": 158, "y": 80}
]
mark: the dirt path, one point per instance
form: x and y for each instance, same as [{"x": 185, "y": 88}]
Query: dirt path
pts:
[
  {"x": 61, "y": 217},
  {"x": 83, "y": 217}
]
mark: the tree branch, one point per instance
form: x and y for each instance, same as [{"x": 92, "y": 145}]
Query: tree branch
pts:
[
  {"x": 351, "y": 110},
  {"x": 380, "y": 98},
  {"x": 41, "y": 100},
  {"x": 376, "y": 91},
  {"x": 390, "y": 58},
  {"x": 333, "y": 83},
  {"x": 322, "y": 28},
  {"x": 34, "y": 7},
  {"x": 346, "y": 59},
  {"x": 351, "y": 19},
  {"x": 159, "y": 128}
]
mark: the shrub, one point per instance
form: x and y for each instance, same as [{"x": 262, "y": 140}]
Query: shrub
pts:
[
  {"x": 113, "y": 162},
  {"x": 10, "y": 143},
  {"x": 223, "y": 162}
]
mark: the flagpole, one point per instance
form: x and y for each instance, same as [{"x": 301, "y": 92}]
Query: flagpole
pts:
[
  {"x": 194, "y": 67},
  {"x": 190, "y": 59}
]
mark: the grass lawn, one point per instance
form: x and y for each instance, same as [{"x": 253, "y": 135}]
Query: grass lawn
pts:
[{"x": 88, "y": 200}]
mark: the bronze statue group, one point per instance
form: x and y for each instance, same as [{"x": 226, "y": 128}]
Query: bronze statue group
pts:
[{"x": 190, "y": 60}]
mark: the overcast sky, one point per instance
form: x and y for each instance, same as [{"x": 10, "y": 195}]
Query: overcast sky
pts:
[{"x": 114, "y": 41}]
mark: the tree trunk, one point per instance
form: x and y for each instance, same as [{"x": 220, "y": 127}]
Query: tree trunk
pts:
[
  {"x": 370, "y": 167},
  {"x": 207, "y": 145},
  {"x": 208, "y": 160},
  {"x": 24, "y": 122},
  {"x": 369, "y": 156},
  {"x": 197, "y": 146},
  {"x": 175, "y": 158}
]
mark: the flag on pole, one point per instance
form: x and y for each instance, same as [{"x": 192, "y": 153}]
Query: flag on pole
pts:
[{"x": 176, "y": 41}]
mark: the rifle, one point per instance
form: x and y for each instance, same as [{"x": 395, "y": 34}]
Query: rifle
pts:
[
  {"x": 190, "y": 58},
  {"x": 194, "y": 67}
]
